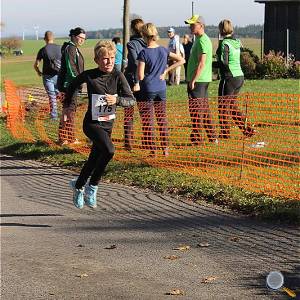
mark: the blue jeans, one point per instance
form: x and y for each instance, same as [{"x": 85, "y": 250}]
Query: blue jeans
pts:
[
  {"x": 50, "y": 84},
  {"x": 147, "y": 110}
]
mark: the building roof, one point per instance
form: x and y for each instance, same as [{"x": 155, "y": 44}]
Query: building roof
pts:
[{"x": 269, "y": 1}]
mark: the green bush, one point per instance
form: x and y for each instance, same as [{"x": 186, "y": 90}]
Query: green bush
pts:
[{"x": 249, "y": 63}]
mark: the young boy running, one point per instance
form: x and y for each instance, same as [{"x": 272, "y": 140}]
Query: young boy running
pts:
[{"x": 106, "y": 89}]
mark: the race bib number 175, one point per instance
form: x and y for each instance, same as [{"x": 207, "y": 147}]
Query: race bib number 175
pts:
[{"x": 100, "y": 110}]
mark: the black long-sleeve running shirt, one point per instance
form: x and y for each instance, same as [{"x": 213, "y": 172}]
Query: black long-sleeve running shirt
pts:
[{"x": 101, "y": 83}]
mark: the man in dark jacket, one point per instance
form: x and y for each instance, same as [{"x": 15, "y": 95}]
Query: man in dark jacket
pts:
[
  {"x": 134, "y": 46},
  {"x": 72, "y": 64}
]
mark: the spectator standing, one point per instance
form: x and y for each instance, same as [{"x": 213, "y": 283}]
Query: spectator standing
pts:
[
  {"x": 72, "y": 64},
  {"x": 107, "y": 88},
  {"x": 152, "y": 70},
  {"x": 119, "y": 53},
  {"x": 174, "y": 47},
  {"x": 51, "y": 57},
  {"x": 187, "y": 46},
  {"x": 199, "y": 75},
  {"x": 232, "y": 79},
  {"x": 134, "y": 47}
]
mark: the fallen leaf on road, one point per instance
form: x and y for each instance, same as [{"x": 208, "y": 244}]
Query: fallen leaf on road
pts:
[
  {"x": 81, "y": 246},
  {"x": 171, "y": 257},
  {"x": 176, "y": 292},
  {"x": 111, "y": 247},
  {"x": 234, "y": 239},
  {"x": 208, "y": 279},
  {"x": 82, "y": 275},
  {"x": 182, "y": 248},
  {"x": 203, "y": 245}
]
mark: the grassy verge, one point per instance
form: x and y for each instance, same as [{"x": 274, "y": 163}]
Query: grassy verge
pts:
[{"x": 162, "y": 180}]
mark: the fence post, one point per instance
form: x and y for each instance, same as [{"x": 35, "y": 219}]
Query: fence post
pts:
[
  {"x": 287, "y": 45},
  {"x": 243, "y": 147},
  {"x": 261, "y": 45}
]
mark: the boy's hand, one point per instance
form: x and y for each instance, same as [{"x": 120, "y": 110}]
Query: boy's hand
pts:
[{"x": 111, "y": 99}]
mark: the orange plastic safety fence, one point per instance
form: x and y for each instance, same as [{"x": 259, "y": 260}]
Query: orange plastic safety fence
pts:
[
  {"x": 251, "y": 141},
  {"x": 16, "y": 113}
]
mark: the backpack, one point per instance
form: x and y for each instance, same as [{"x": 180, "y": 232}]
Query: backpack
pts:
[{"x": 54, "y": 62}]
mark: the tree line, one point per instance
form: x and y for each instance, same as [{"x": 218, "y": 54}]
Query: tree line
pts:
[{"x": 249, "y": 31}]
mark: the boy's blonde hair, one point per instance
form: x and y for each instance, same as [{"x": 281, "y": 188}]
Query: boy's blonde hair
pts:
[
  {"x": 149, "y": 32},
  {"x": 103, "y": 48},
  {"x": 225, "y": 27}
]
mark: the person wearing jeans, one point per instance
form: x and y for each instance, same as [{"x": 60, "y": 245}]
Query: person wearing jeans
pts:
[
  {"x": 51, "y": 56},
  {"x": 156, "y": 105},
  {"x": 152, "y": 71},
  {"x": 50, "y": 84}
]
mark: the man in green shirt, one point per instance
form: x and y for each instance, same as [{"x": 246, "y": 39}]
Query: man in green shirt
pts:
[{"x": 199, "y": 75}]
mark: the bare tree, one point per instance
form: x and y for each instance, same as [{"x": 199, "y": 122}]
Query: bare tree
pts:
[{"x": 125, "y": 30}]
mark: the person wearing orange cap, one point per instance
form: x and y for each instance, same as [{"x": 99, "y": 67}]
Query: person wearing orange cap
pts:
[{"x": 199, "y": 75}]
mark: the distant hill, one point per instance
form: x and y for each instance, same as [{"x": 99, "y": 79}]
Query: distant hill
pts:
[{"x": 249, "y": 31}]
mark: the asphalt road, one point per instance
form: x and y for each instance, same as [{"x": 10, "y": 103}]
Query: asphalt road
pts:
[{"x": 51, "y": 250}]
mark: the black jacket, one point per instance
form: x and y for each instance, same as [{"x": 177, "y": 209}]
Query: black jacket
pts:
[
  {"x": 134, "y": 46},
  {"x": 72, "y": 64}
]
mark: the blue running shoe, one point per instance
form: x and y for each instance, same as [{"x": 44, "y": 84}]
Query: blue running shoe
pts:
[
  {"x": 78, "y": 195},
  {"x": 90, "y": 196}
]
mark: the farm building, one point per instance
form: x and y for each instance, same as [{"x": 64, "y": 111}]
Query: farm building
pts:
[{"x": 282, "y": 16}]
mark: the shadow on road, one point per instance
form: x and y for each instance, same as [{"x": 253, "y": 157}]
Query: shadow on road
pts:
[
  {"x": 22, "y": 225},
  {"x": 29, "y": 215}
]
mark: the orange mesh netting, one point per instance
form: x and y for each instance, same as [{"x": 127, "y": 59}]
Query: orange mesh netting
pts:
[
  {"x": 16, "y": 113},
  {"x": 258, "y": 135}
]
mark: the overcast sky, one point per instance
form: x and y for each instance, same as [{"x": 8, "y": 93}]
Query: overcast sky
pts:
[{"x": 62, "y": 15}]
